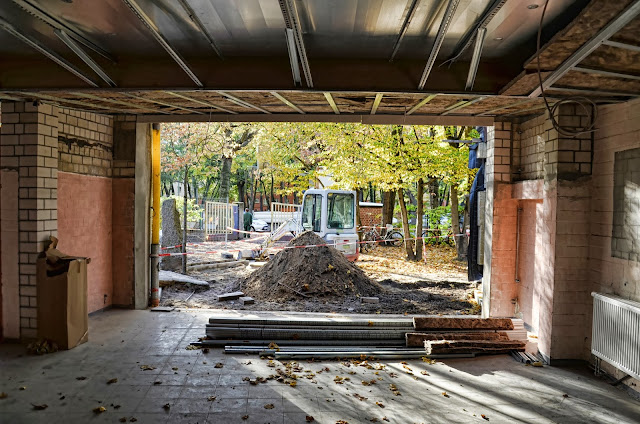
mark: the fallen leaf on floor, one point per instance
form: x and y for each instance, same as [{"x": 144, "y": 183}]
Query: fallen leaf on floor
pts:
[
  {"x": 269, "y": 406},
  {"x": 23, "y": 388},
  {"x": 192, "y": 347},
  {"x": 310, "y": 419},
  {"x": 62, "y": 397},
  {"x": 485, "y": 417},
  {"x": 245, "y": 417},
  {"x": 218, "y": 365},
  {"x": 445, "y": 394},
  {"x": 146, "y": 368},
  {"x": 211, "y": 398},
  {"x": 113, "y": 380},
  {"x": 380, "y": 404},
  {"x": 373, "y": 420},
  {"x": 385, "y": 419},
  {"x": 428, "y": 360},
  {"x": 3, "y": 395},
  {"x": 166, "y": 406},
  {"x": 342, "y": 422},
  {"x": 424, "y": 373},
  {"x": 360, "y": 398},
  {"x": 99, "y": 410},
  {"x": 537, "y": 364},
  {"x": 205, "y": 350},
  {"x": 157, "y": 383},
  {"x": 81, "y": 378},
  {"x": 565, "y": 395},
  {"x": 133, "y": 420},
  {"x": 175, "y": 368},
  {"x": 123, "y": 420},
  {"x": 39, "y": 407},
  {"x": 115, "y": 406}
]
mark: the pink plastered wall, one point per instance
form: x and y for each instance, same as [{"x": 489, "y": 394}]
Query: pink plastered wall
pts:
[
  {"x": 123, "y": 197},
  {"x": 85, "y": 229}
]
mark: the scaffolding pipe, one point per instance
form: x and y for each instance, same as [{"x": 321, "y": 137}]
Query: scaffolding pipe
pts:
[{"x": 155, "y": 219}]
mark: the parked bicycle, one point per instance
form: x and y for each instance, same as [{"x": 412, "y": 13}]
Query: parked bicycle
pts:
[
  {"x": 438, "y": 237},
  {"x": 372, "y": 238}
]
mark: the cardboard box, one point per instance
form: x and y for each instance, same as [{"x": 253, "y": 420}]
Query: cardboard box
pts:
[{"x": 62, "y": 301}]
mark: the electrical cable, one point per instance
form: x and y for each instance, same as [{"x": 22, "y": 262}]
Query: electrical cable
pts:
[{"x": 583, "y": 102}]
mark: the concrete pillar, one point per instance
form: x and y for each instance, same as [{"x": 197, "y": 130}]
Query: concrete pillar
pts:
[{"x": 29, "y": 139}]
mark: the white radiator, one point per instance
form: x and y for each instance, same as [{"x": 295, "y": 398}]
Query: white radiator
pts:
[{"x": 616, "y": 332}]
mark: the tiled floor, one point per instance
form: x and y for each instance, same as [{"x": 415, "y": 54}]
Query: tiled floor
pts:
[{"x": 499, "y": 388}]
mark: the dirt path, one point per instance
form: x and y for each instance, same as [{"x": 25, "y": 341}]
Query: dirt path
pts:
[{"x": 436, "y": 286}]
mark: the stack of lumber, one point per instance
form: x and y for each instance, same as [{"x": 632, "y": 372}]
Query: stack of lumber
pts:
[{"x": 443, "y": 335}]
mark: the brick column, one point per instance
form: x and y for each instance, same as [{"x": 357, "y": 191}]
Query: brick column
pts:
[{"x": 30, "y": 145}]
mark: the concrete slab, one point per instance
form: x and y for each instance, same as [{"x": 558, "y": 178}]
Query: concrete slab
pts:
[{"x": 120, "y": 341}]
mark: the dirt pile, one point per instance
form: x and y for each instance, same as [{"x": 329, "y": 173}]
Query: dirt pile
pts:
[{"x": 308, "y": 273}]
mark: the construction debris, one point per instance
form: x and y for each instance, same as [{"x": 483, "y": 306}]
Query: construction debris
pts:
[
  {"x": 445, "y": 323},
  {"x": 246, "y": 300},
  {"x": 168, "y": 278},
  {"x": 418, "y": 339},
  {"x": 229, "y": 296},
  {"x": 442, "y": 347},
  {"x": 370, "y": 300}
]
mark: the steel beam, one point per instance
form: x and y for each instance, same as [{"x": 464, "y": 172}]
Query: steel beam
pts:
[
  {"x": 202, "y": 102},
  {"x": 461, "y": 105},
  {"x": 293, "y": 56},
  {"x": 619, "y": 45},
  {"x": 287, "y": 102},
  {"x": 117, "y": 102},
  {"x": 475, "y": 59},
  {"x": 403, "y": 28},
  {"x": 196, "y": 20},
  {"x": 376, "y": 103},
  {"x": 442, "y": 31},
  {"x": 605, "y": 73},
  {"x": 46, "y": 51},
  {"x": 29, "y": 7},
  {"x": 332, "y": 103},
  {"x": 137, "y": 10},
  {"x": 240, "y": 102},
  {"x": 71, "y": 102},
  {"x": 596, "y": 41},
  {"x": 421, "y": 103},
  {"x": 62, "y": 35},
  {"x": 505, "y": 107},
  {"x": 292, "y": 21},
  {"x": 133, "y": 96}
]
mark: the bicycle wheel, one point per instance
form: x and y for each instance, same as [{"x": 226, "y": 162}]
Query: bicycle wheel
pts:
[
  {"x": 368, "y": 242},
  {"x": 395, "y": 238}
]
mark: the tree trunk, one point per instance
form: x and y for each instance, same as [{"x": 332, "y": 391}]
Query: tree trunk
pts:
[
  {"x": 264, "y": 190},
  {"x": 419, "y": 213},
  {"x": 252, "y": 200},
  {"x": 225, "y": 178},
  {"x": 408, "y": 244},
  {"x": 184, "y": 220},
  {"x": 273, "y": 199},
  {"x": 455, "y": 217},
  {"x": 241, "y": 184},
  {"x": 433, "y": 193},
  {"x": 388, "y": 204}
]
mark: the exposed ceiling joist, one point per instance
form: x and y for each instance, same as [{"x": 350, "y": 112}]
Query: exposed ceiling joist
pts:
[
  {"x": 475, "y": 60},
  {"x": 293, "y": 56},
  {"x": 46, "y": 51},
  {"x": 332, "y": 103},
  {"x": 442, "y": 31},
  {"x": 33, "y": 9},
  {"x": 196, "y": 20},
  {"x": 11, "y": 98},
  {"x": 158, "y": 102},
  {"x": 586, "y": 49},
  {"x": 588, "y": 91},
  {"x": 403, "y": 28},
  {"x": 376, "y": 103},
  {"x": 240, "y": 102},
  {"x": 202, "y": 102},
  {"x": 462, "y": 105},
  {"x": 625, "y": 46},
  {"x": 117, "y": 102},
  {"x": 507, "y": 106},
  {"x": 287, "y": 102},
  {"x": 292, "y": 21},
  {"x": 531, "y": 109},
  {"x": 64, "y": 37},
  {"x": 605, "y": 73},
  {"x": 153, "y": 29},
  {"x": 60, "y": 100},
  {"x": 421, "y": 103}
]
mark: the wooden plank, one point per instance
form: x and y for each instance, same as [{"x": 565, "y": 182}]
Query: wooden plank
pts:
[
  {"x": 472, "y": 346},
  {"x": 418, "y": 339},
  {"x": 441, "y": 323},
  {"x": 229, "y": 296}
]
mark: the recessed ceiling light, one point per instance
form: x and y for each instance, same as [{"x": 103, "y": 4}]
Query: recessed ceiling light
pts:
[
  {"x": 532, "y": 6},
  {"x": 499, "y": 38}
]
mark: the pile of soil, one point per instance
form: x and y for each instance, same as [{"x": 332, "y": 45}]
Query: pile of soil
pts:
[{"x": 315, "y": 272}]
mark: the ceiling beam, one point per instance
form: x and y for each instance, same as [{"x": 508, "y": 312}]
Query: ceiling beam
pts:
[
  {"x": 293, "y": 56},
  {"x": 507, "y": 106},
  {"x": 376, "y": 103},
  {"x": 117, "y": 102},
  {"x": 287, "y": 102},
  {"x": 29, "y": 7},
  {"x": 71, "y": 102},
  {"x": 46, "y": 51},
  {"x": 292, "y": 21},
  {"x": 196, "y": 20},
  {"x": 421, "y": 103},
  {"x": 332, "y": 103},
  {"x": 605, "y": 73},
  {"x": 619, "y": 45},
  {"x": 462, "y": 105},
  {"x": 153, "y": 29},
  {"x": 475, "y": 59},
  {"x": 11, "y": 98},
  {"x": 158, "y": 102},
  {"x": 442, "y": 31},
  {"x": 403, "y": 28},
  {"x": 531, "y": 109},
  {"x": 579, "y": 90},
  {"x": 596, "y": 41},
  {"x": 243, "y": 103},
  {"x": 202, "y": 102},
  {"x": 62, "y": 35}
]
